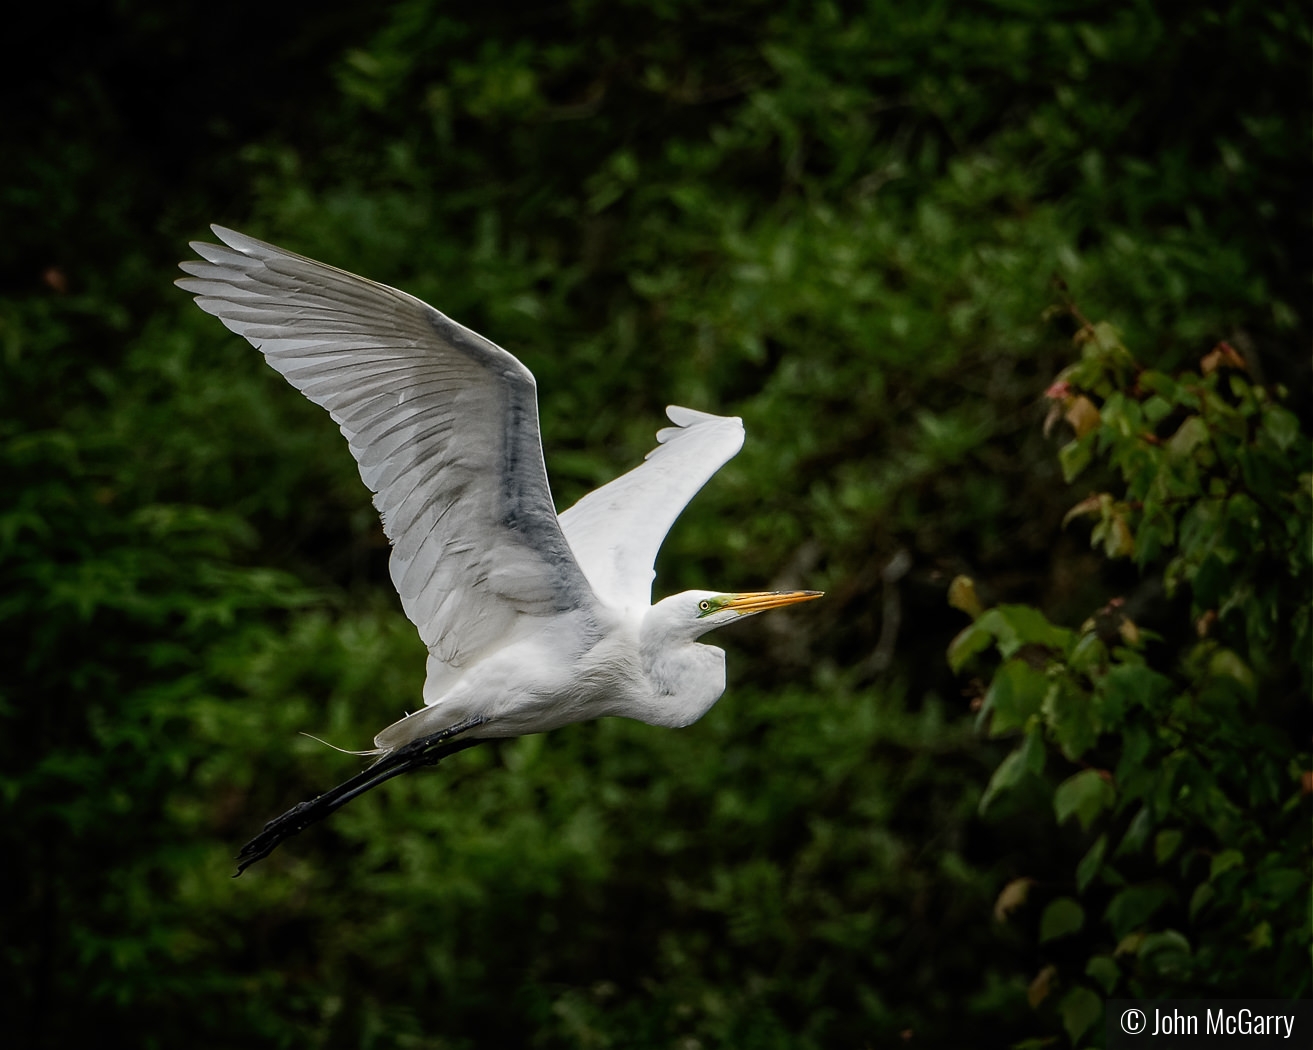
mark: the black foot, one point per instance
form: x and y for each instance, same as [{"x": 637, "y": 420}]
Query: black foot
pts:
[{"x": 426, "y": 751}]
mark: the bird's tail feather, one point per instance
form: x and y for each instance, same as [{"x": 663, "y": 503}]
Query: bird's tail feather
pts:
[{"x": 426, "y": 751}]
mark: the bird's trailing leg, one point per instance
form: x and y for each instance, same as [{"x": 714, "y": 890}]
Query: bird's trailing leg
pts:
[{"x": 426, "y": 751}]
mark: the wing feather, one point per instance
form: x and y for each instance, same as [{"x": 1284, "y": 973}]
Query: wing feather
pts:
[
  {"x": 616, "y": 531},
  {"x": 443, "y": 425}
]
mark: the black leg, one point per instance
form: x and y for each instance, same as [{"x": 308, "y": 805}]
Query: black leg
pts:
[{"x": 426, "y": 751}]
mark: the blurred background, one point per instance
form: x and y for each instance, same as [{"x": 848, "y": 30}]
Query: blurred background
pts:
[{"x": 848, "y": 223}]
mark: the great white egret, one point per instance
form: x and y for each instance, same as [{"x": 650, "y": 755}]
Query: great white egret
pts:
[{"x": 532, "y": 621}]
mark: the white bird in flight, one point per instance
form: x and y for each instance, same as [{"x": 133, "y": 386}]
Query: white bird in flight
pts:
[{"x": 532, "y": 621}]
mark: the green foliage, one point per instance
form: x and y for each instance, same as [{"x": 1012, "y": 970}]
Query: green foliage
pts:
[
  {"x": 839, "y": 221},
  {"x": 1193, "y": 787}
]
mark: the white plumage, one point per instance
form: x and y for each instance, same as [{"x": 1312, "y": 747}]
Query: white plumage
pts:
[{"x": 531, "y": 621}]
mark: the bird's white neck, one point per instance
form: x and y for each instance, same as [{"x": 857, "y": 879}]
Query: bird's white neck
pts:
[{"x": 685, "y": 677}]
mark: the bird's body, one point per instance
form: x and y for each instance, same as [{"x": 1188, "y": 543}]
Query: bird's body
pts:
[
  {"x": 574, "y": 668},
  {"x": 532, "y": 621}
]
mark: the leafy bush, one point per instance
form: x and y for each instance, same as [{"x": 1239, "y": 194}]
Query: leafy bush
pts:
[{"x": 1181, "y": 754}]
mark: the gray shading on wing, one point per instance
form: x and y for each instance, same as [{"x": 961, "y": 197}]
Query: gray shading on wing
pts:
[
  {"x": 616, "y": 531},
  {"x": 443, "y": 425}
]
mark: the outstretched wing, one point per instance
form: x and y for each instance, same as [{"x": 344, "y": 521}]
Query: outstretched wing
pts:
[
  {"x": 443, "y": 424},
  {"x": 616, "y": 531}
]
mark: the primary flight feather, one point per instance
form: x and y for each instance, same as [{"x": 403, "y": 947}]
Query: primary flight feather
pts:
[{"x": 532, "y": 621}]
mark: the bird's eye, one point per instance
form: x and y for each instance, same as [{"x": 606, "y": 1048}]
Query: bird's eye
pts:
[{"x": 704, "y": 605}]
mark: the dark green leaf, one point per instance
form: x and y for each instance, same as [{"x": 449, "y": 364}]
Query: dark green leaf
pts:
[
  {"x": 1014, "y": 696},
  {"x": 1080, "y": 1008},
  {"x": 1104, "y": 969},
  {"x": 1084, "y": 795},
  {"x": 1028, "y": 757},
  {"x": 1060, "y": 918},
  {"x": 971, "y": 640},
  {"x": 1091, "y": 862},
  {"x": 1133, "y": 906}
]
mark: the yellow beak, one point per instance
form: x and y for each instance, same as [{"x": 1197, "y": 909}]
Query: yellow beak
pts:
[{"x": 759, "y": 601}]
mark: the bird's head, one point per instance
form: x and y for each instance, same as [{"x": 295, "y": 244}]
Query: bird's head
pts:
[{"x": 694, "y": 613}]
